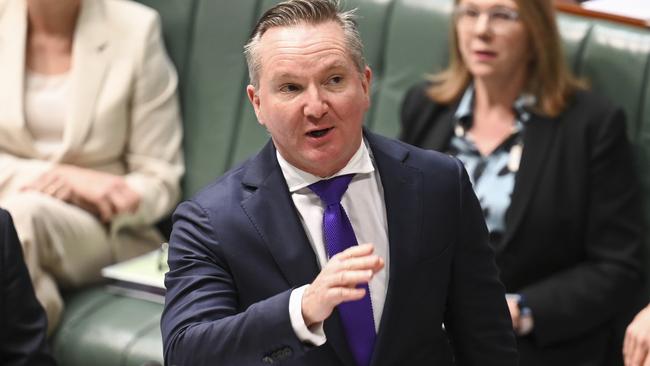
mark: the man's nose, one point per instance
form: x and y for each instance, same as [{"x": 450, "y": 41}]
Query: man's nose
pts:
[{"x": 315, "y": 103}]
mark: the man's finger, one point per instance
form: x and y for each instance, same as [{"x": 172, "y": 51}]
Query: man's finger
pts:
[
  {"x": 347, "y": 278},
  {"x": 355, "y": 251},
  {"x": 628, "y": 345},
  {"x": 338, "y": 295},
  {"x": 639, "y": 354},
  {"x": 647, "y": 361},
  {"x": 372, "y": 262}
]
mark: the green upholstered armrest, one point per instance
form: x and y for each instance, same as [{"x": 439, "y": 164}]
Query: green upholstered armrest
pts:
[{"x": 102, "y": 328}]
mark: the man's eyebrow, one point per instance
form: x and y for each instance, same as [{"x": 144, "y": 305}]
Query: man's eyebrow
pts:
[
  {"x": 335, "y": 65},
  {"x": 284, "y": 75}
]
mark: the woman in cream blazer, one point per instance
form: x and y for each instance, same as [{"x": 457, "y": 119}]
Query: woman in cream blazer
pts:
[{"x": 93, "y": 196}]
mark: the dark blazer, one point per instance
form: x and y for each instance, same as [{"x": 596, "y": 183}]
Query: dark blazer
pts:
[
  {"x": 238, "y": 248},
  {"x": 23, "y": 324},
  {"x": 573, "y": 231}
]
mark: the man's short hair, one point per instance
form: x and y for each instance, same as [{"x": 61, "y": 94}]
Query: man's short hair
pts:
[{"x": 313, "y": 12}]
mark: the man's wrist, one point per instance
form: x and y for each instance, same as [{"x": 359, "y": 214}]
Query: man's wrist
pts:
[{"x": 313, "y": 334}]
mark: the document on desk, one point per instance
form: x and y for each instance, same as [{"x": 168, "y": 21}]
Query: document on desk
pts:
[{"x": 146, "y": 272}]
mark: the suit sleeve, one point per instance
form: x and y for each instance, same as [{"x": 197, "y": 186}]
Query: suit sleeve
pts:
[
  {"x": 477, "y": 317},
  {"x": 24, "y": 324},
  {"x": 153, "y": 156},
  {"x": 583, "y": 297},
  {"x": 202, "y": 323}
]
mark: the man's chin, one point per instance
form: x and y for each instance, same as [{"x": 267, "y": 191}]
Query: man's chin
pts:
[{"x": 324, "y": 166}]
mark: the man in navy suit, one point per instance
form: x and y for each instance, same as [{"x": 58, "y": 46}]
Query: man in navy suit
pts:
[
  {"x": 23, "y": 324},
  {"x": 264, "y": 262}
]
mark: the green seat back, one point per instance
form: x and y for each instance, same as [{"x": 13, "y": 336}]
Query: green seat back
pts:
[
  {"x": 415, "y": 46},
  {"x": 214, "y": 88}
]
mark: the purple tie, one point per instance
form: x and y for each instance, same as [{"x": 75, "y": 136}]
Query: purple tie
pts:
[{"x": 356, "y": 316}]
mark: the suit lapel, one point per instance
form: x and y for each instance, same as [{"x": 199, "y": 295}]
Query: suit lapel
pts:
[
  {"x": 402, "y": 188},
  {"x": 273, "y": 214},
  {"x": 537, "y": 136},
  {"x": 13, "y": 40},
  {"x": 90, "y": 59}
]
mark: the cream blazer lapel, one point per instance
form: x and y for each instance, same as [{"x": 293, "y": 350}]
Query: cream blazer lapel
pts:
[
  {"x": 90, "y": 60},
  {"x": 13, "y": 36}
]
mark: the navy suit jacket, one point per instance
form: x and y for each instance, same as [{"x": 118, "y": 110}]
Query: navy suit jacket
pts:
[
  {"x": 238, "y": 248},
  {"x": 23, "y": 324}
]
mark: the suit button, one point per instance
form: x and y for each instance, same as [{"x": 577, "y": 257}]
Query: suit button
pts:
[{"x": 287, "y": 352}]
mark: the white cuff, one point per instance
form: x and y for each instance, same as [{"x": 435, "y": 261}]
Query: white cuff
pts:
[{"x": 314, "y": 334}]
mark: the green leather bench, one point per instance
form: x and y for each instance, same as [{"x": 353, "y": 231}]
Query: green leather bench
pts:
[{"x": 405, "y": 39}]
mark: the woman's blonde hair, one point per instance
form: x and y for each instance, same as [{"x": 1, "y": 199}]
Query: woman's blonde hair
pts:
[{"x": 549, "y": 78}]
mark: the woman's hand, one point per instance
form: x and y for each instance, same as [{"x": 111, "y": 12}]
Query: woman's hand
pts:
[
  {"x": 102, "y": 194},
  {"x": 637, "y": 340}
]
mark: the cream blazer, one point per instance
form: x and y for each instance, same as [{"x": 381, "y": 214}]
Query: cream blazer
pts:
[{"x": 123, "y": 117}]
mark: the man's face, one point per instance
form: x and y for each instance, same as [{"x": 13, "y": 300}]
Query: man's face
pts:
[{"x": 311, "y": 97}]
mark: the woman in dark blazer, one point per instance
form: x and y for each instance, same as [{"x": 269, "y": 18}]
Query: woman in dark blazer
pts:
[
  {"x": 554, "y": 171},
  {"x": 23, "y": 323}
]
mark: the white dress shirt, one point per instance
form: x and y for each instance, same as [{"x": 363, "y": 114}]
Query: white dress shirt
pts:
[{"x": 364, "y": 204}]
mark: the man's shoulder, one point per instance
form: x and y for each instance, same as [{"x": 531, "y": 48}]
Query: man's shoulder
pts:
[
  {"x": 227, "y": 187},
  {"x": 425, "y": 160}
]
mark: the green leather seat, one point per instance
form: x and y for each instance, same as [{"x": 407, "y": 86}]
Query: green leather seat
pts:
[
  {"x": 405, "y": 40},
  {"x": 105, "y": 329}
]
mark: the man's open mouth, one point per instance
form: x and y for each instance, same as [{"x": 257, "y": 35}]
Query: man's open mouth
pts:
[{"x": 319, "y": 133}]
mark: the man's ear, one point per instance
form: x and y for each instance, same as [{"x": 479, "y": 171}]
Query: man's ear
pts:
[
  {"x": 254, "y": 98},
  {"x": 366, "y": 82}
]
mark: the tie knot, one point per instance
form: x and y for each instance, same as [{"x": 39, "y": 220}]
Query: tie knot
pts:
[{"x": 331, "y": 190}]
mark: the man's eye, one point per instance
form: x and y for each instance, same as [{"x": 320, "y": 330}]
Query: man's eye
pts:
[
  {"x": 289, "y": 88},
  {"x": 335, "y": 80}
]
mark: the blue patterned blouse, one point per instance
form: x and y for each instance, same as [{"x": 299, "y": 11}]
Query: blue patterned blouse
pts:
[{"x": 493, "y": 176}]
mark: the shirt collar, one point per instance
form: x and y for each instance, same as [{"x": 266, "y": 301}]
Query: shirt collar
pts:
[
  {"x": 465, "y": 108},
  {"x": 360, "y": 163}
]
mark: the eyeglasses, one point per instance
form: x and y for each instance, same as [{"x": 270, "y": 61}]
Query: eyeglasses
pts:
[{"x": 500, "y": 18}]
